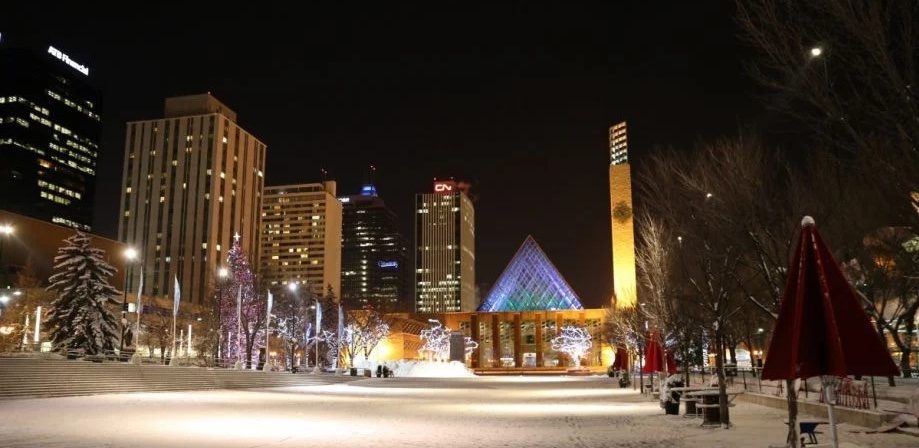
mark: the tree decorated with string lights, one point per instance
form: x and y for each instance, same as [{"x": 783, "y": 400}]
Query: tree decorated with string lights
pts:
[
  {"x": 574, "y": 341},
  {"x": 242, "y": 309}
]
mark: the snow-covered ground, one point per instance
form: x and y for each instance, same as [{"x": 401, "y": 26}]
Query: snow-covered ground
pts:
[{"x": 398, "y": 412}]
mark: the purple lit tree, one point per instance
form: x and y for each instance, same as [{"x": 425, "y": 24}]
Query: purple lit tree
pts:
[{"x": 242, "y": 309}]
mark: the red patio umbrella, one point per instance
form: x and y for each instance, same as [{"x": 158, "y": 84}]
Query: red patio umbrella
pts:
[
  {"x": 622, "y": 359},
  {"x": 822, "y": 328},
  {"x": 653, "y": 355},
  {"x": 671, "y": 363}
]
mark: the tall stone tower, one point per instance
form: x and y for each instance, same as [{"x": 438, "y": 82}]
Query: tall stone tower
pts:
[{"x": 620, "y": 204}]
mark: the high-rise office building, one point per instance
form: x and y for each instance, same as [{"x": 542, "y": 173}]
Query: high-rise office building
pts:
[
  {"x": 50, "y": 132},
  {"x": 373, "y": 259},
  {"x": 301, "y": 237},
  {"x": 444, "y": 250},
  {"x": 620, "y": 202},
  {"x": 192, "y": 182}
]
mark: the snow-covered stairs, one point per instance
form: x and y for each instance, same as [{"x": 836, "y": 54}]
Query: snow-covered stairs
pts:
[{"x": 31, "y": 378}]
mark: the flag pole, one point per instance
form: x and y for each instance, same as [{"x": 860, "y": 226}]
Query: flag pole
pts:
[
  {"x": 140, "y": 291},
  {"x": 265, "y": 367},
  {"x": 318, "y": 330},
  {"x": 176, "y": 297}
]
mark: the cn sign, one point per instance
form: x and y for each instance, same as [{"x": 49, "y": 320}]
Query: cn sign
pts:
[{"x": 444, "y": 187}]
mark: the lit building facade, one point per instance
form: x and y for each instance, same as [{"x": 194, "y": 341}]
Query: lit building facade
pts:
[
  {"x": 192, "y": 181},
  {"x": 301, "y": 237},
  {"x": 621, "y": 219},
  {"x": 526, "y": 308},
  {"x": 444, "y": 250},
  {"x": 50, "y": 133},
  {"x": 373, "y": 263}
]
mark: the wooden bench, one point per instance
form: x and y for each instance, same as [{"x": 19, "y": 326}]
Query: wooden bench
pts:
[{"x": 691, "y": 407}]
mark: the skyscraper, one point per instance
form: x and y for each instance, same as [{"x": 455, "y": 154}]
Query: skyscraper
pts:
[
  {"x": 301, "y": 236},
  {"x": 444, "y": 250},
  {"x": 192, "y": 181},
  {"x": 373, "y": 264},
  {"x": 50, "y": 132},
  {"x": 620, "y": 200}
]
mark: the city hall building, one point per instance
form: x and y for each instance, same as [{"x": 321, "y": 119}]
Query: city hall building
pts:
[{"x": 514, "y": 326}]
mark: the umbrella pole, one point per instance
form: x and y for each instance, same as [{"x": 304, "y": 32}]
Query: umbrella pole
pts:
[{"x": 829, "y": 396}]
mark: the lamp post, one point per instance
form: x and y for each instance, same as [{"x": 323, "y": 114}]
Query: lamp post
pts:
[
  {"x": 222, "y": 275},
  {"x": 3, "y": 301},
  {"x": 6, "y": 230},
  {"x": 292, "y": 287},
  {"x": 130, "y": 254}
]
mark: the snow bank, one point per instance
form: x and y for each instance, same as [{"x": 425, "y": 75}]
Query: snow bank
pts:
[
  {"x": 409, "y": 368},
  {"x": 429, "y": 369}
]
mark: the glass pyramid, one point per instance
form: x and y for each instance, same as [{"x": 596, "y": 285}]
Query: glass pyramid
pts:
[{"x": 530, "y": 282}]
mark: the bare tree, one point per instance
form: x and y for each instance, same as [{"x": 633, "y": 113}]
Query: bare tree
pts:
[
  {"x": 290, "y": 313},
  {"x": 365, "y": 330},
  {"x": 886, "y": 274},
  {"x": 847, "y": 70},
  {"x": 653, "y": 258},
  {"x": 29, "y": 294}
]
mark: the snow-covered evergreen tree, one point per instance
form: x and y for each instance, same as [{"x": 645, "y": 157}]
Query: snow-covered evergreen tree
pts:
[{"x": 80, "y": 317}]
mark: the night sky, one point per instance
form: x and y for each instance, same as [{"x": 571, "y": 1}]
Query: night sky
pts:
[{"x": 516, "y": 99}]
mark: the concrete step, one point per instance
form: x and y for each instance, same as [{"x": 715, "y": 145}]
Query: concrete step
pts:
[{"x": 24, "y": 378}]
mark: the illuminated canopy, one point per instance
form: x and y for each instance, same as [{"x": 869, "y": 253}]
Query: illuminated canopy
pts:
[{"x": 530, "y": 282}]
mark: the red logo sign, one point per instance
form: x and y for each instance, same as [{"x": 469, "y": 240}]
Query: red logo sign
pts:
[{"x": 444, "y": 186}]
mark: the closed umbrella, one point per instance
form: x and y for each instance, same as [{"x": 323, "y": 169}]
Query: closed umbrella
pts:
[
  {"x": 671, "y": 363},
  {"x": 653, "y": 355},
  {"x": 822, "y": 328},
  {"x": 622, "y": 359}
]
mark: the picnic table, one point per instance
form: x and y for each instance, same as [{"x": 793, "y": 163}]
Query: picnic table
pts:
[
  {"x": 711, "y": 409},
  {"x": 690, "y": 402}
]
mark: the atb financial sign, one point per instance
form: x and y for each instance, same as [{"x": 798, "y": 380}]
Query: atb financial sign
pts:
[{"x": 66, "y": 59}]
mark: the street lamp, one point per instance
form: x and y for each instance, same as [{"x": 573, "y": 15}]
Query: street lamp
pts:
[
  {"x": 222, "y": 274},
  {"x": 6, "y": 230},
  {"x": 816, "y": 52},
  {"x": 130, "y": 254}
]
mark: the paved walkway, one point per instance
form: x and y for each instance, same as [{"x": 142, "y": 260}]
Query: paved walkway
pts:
[{"x": 402, "y": 412}]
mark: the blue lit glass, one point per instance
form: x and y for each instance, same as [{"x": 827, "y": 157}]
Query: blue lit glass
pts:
[{"x": 530, "y": 282}]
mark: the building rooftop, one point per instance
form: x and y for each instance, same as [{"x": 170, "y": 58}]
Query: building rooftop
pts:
[{"x": 200, "y": 104}]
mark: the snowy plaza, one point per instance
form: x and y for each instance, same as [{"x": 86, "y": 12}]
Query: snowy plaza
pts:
[{"x": 405, "y": 412}]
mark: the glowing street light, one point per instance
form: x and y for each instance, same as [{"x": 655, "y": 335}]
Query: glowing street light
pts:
[
  {"x": 4, "y": 299},
  {"x": 708, "y": 195},
  {"x": 816, "y": 52},
  {"x": 292, "y": 287},
  {"x": 5, "y": 230},
  {"x": 130, "y": 254}
]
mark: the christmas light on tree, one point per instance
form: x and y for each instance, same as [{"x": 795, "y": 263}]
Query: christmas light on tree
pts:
[
  {"x": 242, "y": 311},
  {"x": 573, "y": 341},
  {"x": 436, "y": 340}
]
